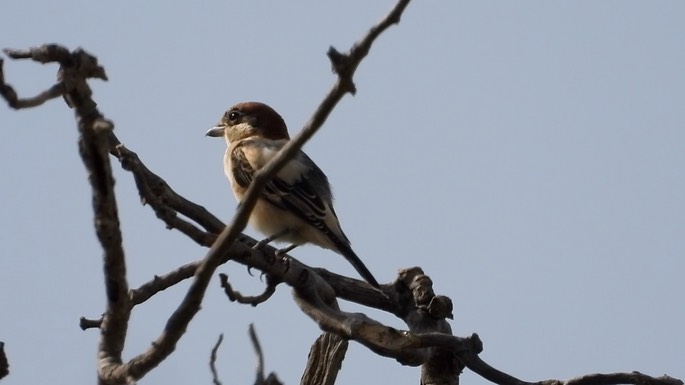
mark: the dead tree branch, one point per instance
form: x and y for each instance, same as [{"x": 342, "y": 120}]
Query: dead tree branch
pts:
[
  {"x": 148, "y": 289},
  {"x": 235, "y": 296},
  {"x": 324, "y": 360},
  {"x": 4, "y": 364},
  {"x": 165, "y": 202},
  {"x": 635, "y": 378},
  {"x": 75, "y": 68},
  {"x": 212, "y": 360},
  {"x": 346, "y": 64},
  {"x": 271, "y": 379},
  {"x": 259, "y": 369},
  {"x": 161, "y": 282}
]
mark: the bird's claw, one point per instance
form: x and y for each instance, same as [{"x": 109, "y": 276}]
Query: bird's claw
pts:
[{"x": 284, "y": 259}]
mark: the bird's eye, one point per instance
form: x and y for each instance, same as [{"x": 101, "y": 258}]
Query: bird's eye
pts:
[{"x": 233, "y": 115}]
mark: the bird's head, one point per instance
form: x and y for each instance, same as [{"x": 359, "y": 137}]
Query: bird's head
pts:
[{"x": 250, "y": 119}]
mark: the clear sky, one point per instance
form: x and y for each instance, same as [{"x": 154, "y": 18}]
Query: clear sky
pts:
[{"x": 529, "y": 156}]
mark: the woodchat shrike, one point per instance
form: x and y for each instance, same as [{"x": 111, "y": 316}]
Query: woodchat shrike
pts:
[{"x": 296, "y": 205}]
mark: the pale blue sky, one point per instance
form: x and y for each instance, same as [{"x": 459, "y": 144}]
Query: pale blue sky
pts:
[{"x": 528, "y": 155}]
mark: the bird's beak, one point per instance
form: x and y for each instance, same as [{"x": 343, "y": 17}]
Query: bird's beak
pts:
[{"x": 215, "y": 131}]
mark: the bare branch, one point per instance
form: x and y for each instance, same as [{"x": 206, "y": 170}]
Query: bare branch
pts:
[
  {"x": 425, "y": 342},
  {"x": 635, "y": 378},
  {"x": 359, "y": 292},
  {"x": 235, "y": 296},
  {"x": 14, "y": 101},
  {"x": 85, "y": 323},
  {"x": 164, "y": 200},
  {"x": 212, "y": 360},
  {"x": 78, "y": 63},
  {"x": 4, "y": 364},
  {"x": 477, "y": 365},
  {"x": 258, "y": 352},
  {"x": 480, "y": 367},
  {"x": 162, "y": 282},
  {"x": 147, "y": 290},
  {"x": 177, "y": 323},
  {"x": 48, "y": 53},
  {"x": 75, "y": 68},
  {"x": 271, "y": 379},
  {"x": 153, "y": 190},
  {"x": 346, "y": 64},
  {"x": 347, "y": 288},
  {"x": 94, "y": 152}
]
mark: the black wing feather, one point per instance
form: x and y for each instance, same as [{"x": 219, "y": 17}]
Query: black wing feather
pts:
[{"x": 304, "y": 198}]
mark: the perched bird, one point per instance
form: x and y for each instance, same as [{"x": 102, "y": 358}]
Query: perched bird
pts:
[{"x": 296, "y": 205}]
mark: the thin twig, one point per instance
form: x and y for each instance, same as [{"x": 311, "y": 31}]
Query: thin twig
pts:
[
  {"x": 4, "y": 363},
  {"x": 86, "y": 323},
  {"x": 212, "y": 360},
  {"x": 258, "y": 353},
  {"x": 162, "y": 282},
  {"x": 164, "y": 200},
  {"x": 148, "y": 289},
  {"x": 271, "y": 379},
  {"x": 235, "y": 296},
  {"x": 14, "y": 101},
  {"x": 346, "y": 64}
]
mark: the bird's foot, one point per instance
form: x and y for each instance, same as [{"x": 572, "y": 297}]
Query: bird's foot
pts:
[
  {"x": 281, "y": 253},
  {"x": 286, "y": 262}
]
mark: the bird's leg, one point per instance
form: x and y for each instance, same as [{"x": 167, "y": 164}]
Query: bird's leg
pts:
[
  {"x": 269, "y": 239},
  {"x": 281, "y": 254}
]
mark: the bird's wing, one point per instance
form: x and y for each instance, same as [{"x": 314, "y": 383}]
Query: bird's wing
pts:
[{"x": 300, "y": 187}]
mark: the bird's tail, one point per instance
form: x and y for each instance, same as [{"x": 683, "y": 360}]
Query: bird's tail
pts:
[{"x": 346, "y": 251}]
